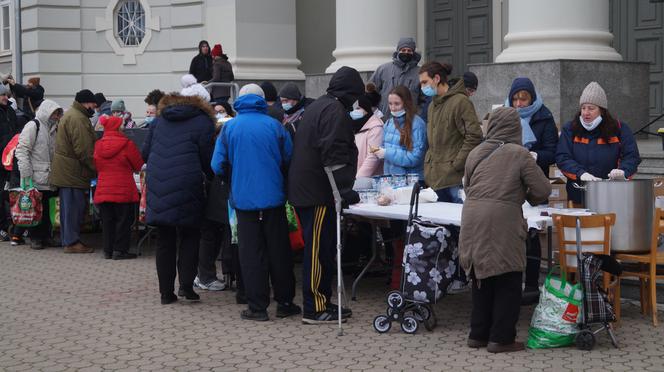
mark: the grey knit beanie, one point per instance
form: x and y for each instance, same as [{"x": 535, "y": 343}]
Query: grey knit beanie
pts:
[
  {"x": 594, "y": 94},
  {"x": 406, "y": 42},
  {"x": 290, "y": 91},
  {"x": 118, "y": 105}
]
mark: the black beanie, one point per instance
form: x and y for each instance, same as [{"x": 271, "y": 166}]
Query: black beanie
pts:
[
  {"x": 269, "y": 90},
  {"x": 100, "y": 98},
  {"x": 290, "y": 91},
  {"x": 85, "y": 96}
]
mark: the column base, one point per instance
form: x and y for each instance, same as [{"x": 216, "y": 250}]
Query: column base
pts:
[{"x": 561, "y": 82}]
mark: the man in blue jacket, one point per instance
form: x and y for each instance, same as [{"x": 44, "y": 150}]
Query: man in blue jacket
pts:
[{"x": 254, "y": 150}]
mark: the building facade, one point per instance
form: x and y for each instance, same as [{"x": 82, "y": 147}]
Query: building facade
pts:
[{"x": 125, "y": 48}]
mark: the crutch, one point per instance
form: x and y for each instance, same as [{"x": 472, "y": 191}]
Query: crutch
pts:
[{"x": 337, "y": 207}]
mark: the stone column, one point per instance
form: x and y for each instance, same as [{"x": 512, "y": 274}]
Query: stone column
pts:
[
  {"x": 258, "y": 36},
  {"x": 562, "y": 29},
  {"x": 368, "y": 31}
]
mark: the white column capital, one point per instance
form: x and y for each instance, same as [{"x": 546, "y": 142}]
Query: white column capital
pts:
[{"x": 561, "y": 29}]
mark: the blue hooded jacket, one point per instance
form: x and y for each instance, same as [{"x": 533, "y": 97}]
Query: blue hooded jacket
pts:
[
  {"x": 398, "y": 160},
  {"x": 257, "y": 150}
]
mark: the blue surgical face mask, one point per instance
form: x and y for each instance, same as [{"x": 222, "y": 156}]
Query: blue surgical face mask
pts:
[
  {"x": 398, "y": 114},
  {"x": 428, "y": 91},
  {"x": 286, "y": 106},
  {"x": 149, "y": 119},
  {"x": 592, "y": 125},
  {"x": 357, "y": 114}
]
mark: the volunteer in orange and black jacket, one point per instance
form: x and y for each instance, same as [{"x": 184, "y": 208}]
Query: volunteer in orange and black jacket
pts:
[{"x": 595, "y": 145}]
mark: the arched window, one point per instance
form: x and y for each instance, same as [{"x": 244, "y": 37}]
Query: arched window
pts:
[{"x": 130, "y": 22}]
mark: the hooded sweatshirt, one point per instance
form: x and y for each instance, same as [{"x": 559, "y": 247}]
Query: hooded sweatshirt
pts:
[
  {"x": 500, "y": 175},
  {"x": 34, "y": 152},
  {"x": 116, "y": 158},
  {"x": 201, "y": 64},
  {"x": 394, "y": 73},
  {"x": 324, "y": 138},
  {"x": 257, "y": 149}
]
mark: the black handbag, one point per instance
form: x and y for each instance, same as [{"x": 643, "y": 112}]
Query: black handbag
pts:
[{"x": 216, "y": 208}]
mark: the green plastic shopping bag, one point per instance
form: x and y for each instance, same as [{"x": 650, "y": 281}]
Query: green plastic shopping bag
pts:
[{"x": 554, "y": 322}]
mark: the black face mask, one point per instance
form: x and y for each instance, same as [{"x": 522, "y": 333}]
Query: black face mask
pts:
[
  {"x": 405, "y": 57},
  {"x": 91, "y": 112}
]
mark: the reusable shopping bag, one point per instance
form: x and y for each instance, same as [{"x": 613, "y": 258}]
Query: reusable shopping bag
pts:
[
  {"x": 26, "y": 206},
  {"x": 555, "y": 317},
  {"x": 294, "y": 229}
]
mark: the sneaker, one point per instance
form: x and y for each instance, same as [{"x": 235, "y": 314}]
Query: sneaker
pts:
[
  {"x": 457, "y": 287},
  {"x": 189, "y": 295},
  {"x": 78, "y": 247},
  {"x": 36, "y": 244},
  {"x": 288, "y": 309},
  {"x": 168, "y": 298},
  {"x": 249, "y": 314},
  {"x": 124, "y": 256},
  {"x": 17, "y": 240},
  {"x": 214, "y": 285},
  {"x": 322, "y": 317},
  {"x": 4, "y": 236},
  {"x": 345, "y": 312}
]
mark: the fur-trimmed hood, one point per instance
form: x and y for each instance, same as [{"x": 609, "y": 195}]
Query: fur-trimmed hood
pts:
[{"x": 175, "y": 107}]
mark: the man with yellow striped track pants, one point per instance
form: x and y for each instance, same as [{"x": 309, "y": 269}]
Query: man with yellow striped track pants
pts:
[{"x": 324, "y": 139}]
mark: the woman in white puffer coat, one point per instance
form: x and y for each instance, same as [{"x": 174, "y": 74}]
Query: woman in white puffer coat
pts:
[{"x": 34, "y": 154}]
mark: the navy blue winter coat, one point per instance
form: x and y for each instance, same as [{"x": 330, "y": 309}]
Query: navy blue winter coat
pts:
[
  {"x": 591, "y": 153},
  {"x": 544, "y": 128},
  {"x": 177, "y": 151},
  {"x": 257, "y": 149}
]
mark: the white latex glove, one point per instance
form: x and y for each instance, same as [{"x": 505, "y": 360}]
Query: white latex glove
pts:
[
  {"x": 589, "y": 177},
  {"x": 617, "y": 174},
  {"x": 380, "y": 153},
  {"x": 534, "y": 155}
]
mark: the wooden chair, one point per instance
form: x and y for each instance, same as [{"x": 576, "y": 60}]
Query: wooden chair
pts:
[
  {"x": 595, "y": 238},
  {"x": 644, "y": 267}
]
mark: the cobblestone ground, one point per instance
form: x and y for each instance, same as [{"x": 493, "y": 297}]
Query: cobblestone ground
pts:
[{"x": 80, "y": 312}]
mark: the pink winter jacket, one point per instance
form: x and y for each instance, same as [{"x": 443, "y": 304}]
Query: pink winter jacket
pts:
[{"x": 371, "y": 134}]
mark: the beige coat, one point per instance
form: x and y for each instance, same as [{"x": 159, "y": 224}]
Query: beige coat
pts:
[{"x": 500, "y": 176}]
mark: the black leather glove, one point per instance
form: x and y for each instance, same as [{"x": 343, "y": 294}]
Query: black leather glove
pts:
[{"x": 349, "y": 197}]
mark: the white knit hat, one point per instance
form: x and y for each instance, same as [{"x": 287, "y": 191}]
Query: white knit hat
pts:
[
  {"x": 187, "y": 80},
  {"x": 251, "y": 89},
  {"x": 196, "y": 90},
  {"x": 594, "y": 94}
]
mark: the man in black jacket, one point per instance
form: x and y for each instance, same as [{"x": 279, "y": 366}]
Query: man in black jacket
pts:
[
  {"x": 32, "y": 94},
  {"x": 201, "y": 64},
  {"x": 324, "y": 139}
]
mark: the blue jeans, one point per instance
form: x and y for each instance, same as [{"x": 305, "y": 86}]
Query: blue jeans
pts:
[
  {"x": 449, "y": 195},
  {"x": 72, "y": 210}
]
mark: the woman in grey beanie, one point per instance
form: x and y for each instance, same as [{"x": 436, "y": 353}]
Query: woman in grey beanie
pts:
[{"x": 594, "y": 145}]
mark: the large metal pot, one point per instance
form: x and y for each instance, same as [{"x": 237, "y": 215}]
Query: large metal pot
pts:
[{"x": 633, "y": 203}]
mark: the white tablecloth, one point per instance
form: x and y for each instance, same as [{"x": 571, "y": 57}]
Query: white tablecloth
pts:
[{"x": 450, "y": 213}]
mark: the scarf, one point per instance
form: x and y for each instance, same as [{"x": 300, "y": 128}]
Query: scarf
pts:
[{"x": 528, "y": 138}]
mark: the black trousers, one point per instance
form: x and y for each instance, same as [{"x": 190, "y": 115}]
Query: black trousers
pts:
[
  {"x": 496, "y": 306},
  {"x": 177, "y": 248},
  {"x": 116, "y": 221},
  {"x": 533, "y": 249},
  {"x": 265, "y": 254},
  {"x": 213, "y": 235},
  {"x": 318, "y": 265}
]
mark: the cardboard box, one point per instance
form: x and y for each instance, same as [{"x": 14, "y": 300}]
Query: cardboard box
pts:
[
  {"x": 554, "y": 172},
  {"x": 558, "y": 191},
  {"x": 658, "y": 186},
  {"x": 558, "y": 204}
]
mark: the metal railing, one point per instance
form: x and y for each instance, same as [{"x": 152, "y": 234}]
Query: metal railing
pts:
[{"x": 235, "y": 89}]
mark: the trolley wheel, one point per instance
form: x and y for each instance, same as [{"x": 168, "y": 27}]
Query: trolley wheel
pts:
[
  {"x": 422, "y": 312},
  {"x": 395, "y": 299},
  {"x": 382, "y": 324},
  {"x": 585, "y": 340},
  {"x": 431, "y": 322},
  {"x": 409, "y": 325}
]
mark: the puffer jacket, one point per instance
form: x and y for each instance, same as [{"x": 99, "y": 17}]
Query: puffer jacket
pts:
[
  {"x": 371, "y": 134},
  {"x": 453, "y": 131},
  {"x": 178, "y": 150},
  {"x": 398, "y": 159},
  {"x": 500, "y": 176},
  {"x": 34, "y": 152},
  {"x": 72, "y": 164},
  {"x": 116, "y": 158},
  {"x": 257, "y": 149}
]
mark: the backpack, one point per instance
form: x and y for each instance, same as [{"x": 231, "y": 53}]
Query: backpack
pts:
[{"x": 10, "y": 149}]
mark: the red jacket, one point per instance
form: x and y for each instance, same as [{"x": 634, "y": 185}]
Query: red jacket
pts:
[{"x": 116, "y": 158}]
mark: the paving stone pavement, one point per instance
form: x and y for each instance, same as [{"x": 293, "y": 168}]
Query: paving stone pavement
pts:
[{"x": 80, "y": 312}]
